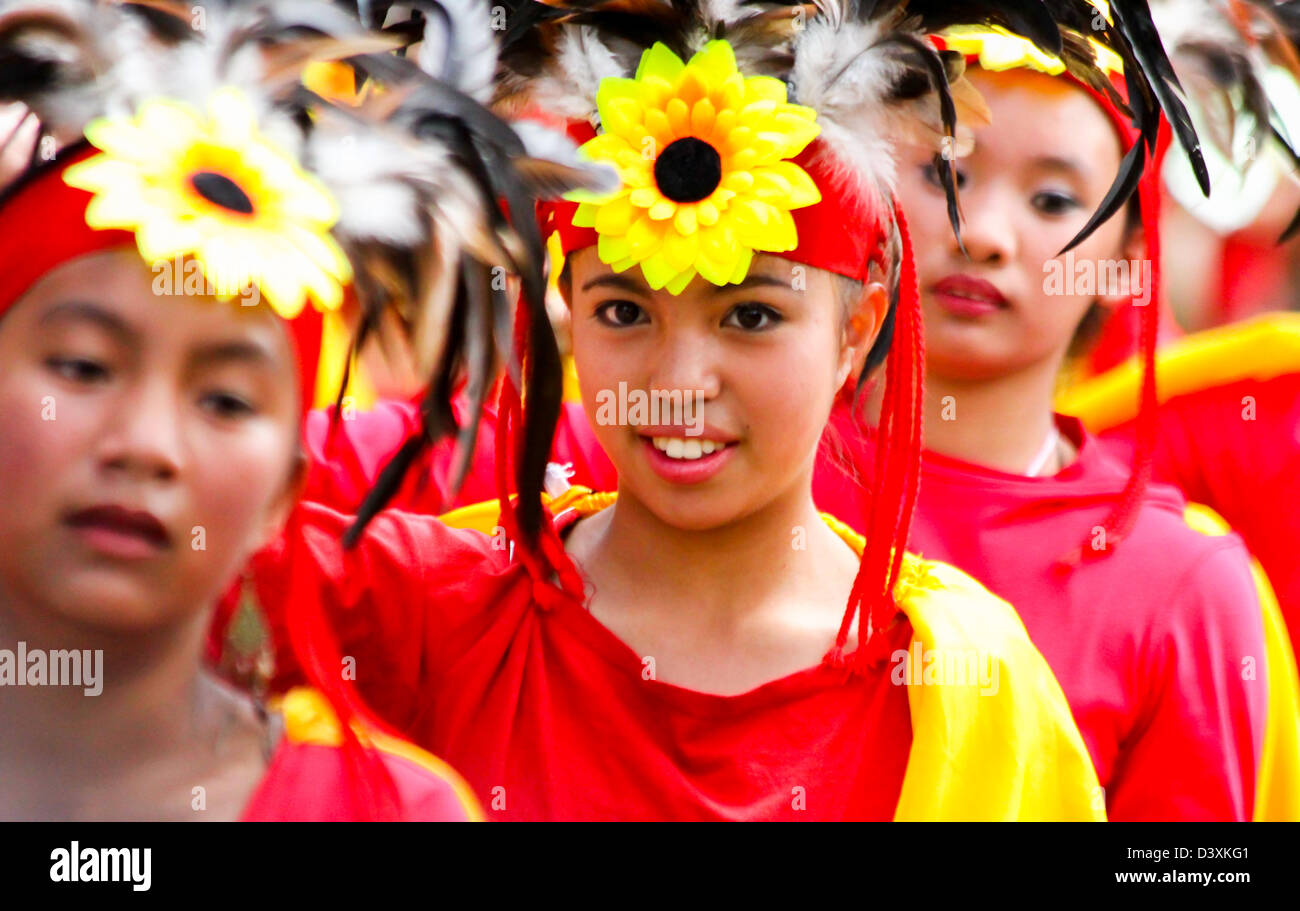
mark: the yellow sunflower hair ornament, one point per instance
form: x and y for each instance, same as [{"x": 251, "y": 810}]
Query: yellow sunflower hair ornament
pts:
[
  {"x": 213, "y": 188},
  {"x": 704, "y": 157}
]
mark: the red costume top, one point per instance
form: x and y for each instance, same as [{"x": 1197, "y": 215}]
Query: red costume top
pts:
[
  {"x": 550, "y": 716},
  {"x": 309, "y": 779},
  {"x": 1234, "y": 447},
  {"x": 1150, "y": 642}
]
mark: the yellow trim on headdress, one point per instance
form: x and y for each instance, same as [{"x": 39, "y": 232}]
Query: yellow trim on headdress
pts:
[
  {"x": 702, "y": 152},
  {"x": 214, "y": 189},
  {"x": 998, "y": 49}
]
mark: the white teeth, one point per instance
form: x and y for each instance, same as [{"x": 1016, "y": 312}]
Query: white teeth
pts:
[{"x": 678, "y": 448}]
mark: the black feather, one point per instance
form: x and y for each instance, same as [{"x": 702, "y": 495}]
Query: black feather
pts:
[
  {"x": 1126, "y": 182},
  {"x": 1133, "y": 19}
]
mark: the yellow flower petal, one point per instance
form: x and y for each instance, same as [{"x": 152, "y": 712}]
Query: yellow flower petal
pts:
[
  {"x": 644, "y": 237},
  {"x": 616, "y": 217},
  {"x": 684, "y": 221},
  {"x": 679, "y": 117},
  {"x": 702, "y": 118},
  {"x": 662, "y": 209},
  {"x": 678, "y": 284},
  {"x": 611, "y": 249},
  {"x": 657, "y": 271},
  {"x": 716, "y": 61},
  {"x": 679, "y": 251},
  {"x": 660, "y": 61},
  {"x": 657, "y": 125}
]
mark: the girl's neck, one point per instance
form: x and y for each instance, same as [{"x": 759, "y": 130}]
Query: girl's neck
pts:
[
  {"x": 154, "y": 701},
  {"x": 723, "y": 572},
  {"x": 999, "y": 423}
]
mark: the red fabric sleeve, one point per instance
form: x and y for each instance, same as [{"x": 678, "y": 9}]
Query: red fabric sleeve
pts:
[
  {"x": 346, "y": 461},
  {"x": 1195, "y": 747},
  {"x": 390, "y": 602},
  {"x": 345, "y": 464}
]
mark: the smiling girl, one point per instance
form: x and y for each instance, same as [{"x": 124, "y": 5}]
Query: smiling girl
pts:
[{"x": 681, "y": 649}]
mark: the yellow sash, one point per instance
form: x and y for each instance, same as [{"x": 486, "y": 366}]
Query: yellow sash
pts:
[{"x": 1260, "y": 348}]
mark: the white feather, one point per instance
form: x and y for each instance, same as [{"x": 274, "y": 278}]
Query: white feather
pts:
[
  {"x": 581, "y": 61},
  {"x": 372, "y": 176},
  {"x": 548, "y": 144},
  {"x": 838, "y": 72},
  {"x": 467, "y": 48}
]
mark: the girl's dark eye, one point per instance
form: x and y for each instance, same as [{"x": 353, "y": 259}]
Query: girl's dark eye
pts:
[
  {"x": 1054, "y": 202},
  {"x": 753, "y": 317},
  {"x": 620, "y": 313},
  {"x": 78, "y": 369},
  {"x": 932, "y": 176},
  {"x": 226, "y": 405}
]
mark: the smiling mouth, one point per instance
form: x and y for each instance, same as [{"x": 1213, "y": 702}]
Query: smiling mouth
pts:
[{"x": 687, "y": 449}]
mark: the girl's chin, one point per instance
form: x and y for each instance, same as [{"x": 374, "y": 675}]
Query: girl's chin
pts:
[
  {"x": 693, "y": 509},
  {"x": 112, "y": 605}
]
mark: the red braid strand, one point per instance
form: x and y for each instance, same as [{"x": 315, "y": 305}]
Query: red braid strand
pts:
[
  {"x": 319, "y": 657},
  {"x": 897, "y": 468},
  {"x": 1119, "y": 523},
  {"x": 549, "y": 558}
]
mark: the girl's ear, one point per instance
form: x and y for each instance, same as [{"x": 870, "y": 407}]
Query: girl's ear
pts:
[
  {"x": 865, "y": 319},
  {"x": 1138, "y": 270}
]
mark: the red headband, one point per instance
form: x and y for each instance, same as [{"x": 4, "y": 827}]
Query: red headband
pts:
[{"x": 43, "y": 225}]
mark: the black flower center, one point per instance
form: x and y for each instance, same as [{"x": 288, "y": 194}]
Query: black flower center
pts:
[
  {"x": 220, "y": 190},
  {"x": 688, "y": 170}
]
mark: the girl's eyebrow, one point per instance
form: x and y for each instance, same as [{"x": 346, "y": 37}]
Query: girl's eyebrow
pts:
[
  {"x": 756, "y": 280},
  {"x": 1058, "y": 163},
  {"x": 614, "y": 280},
  {"x": 72, "y": 311},
  {"x": 250, "y": 352}
]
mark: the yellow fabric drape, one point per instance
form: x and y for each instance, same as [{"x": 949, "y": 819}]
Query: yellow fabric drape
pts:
[{"x": 1260, "y": 348}]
